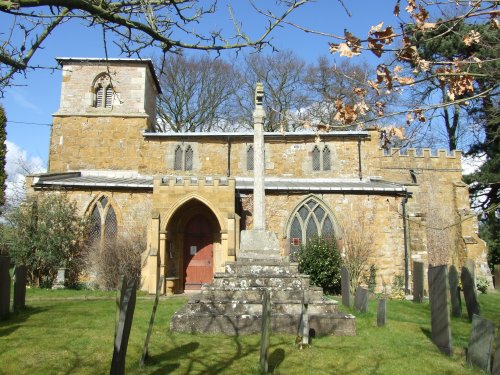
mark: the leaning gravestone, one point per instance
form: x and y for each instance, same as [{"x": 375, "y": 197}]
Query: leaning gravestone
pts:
[
  {"x": 345, "y": 286},
  {"x": 361, "y": 299},
  {"x": 481, "y": 343},
  {"x": 470, "y": 295},
  {"x": 497, "y": 276},
  {"x": 19, "y": 288},
  {"x": 418, "y": 282},
  {"x": 4, "y": 287},
  {"x": 496, "y": 356},
  {"x": 381, "y": 312},
  {"x": 265, "y": 331},
  {"x": 125, "y": 314},
  {"x": 145, "y": 353},
  {"x": 440, "y": 313},
  {"x": 456, "y": 302}
]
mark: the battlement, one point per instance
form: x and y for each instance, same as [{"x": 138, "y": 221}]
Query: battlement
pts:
[
  {"x": 196, "y": 181},
  {"x": 422, "y": 153}
]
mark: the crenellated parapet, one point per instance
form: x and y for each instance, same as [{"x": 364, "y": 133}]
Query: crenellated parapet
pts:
[
  {"x": 199, "y": 181},
  {"x": 425, "y": 158}
]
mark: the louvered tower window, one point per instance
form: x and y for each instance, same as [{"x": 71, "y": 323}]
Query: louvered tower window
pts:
[{"x": 103, "y": 91}]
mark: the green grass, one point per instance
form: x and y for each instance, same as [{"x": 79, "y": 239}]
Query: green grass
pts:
[{"x": 71, "y": 332}]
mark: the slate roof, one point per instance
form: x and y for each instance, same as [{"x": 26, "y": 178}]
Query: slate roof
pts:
[{"x": 128, "y": 180}]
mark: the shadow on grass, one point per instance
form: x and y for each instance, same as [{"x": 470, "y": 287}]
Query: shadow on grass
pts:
[
  {"x": 172, "y": 355},
  {"x": 275, "y": 359},
  {"x": 427, "y": 332},
  {"x": 15, "y": 319}
]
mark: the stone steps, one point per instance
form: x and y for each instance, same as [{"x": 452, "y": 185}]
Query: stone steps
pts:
[
  {"x": 320, "y": 324},
  {"x": 259, "y": 268},
  {"x": 255, "y": 308},
  {"x": 263, "y": 281},
  {"x": 211, "y": 293}
]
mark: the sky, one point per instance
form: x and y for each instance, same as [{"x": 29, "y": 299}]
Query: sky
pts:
[
  {"x": 30, "y": 103},
  {"x": 34, "y": 97}
]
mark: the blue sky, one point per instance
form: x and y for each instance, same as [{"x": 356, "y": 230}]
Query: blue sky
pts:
[{"x": 35, "y": 97}]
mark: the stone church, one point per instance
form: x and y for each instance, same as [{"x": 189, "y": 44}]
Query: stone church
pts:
[{"x": 192, "y": 192}]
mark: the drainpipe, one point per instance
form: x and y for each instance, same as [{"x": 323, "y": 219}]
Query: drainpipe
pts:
[
  {"x": 228, "y": 156},
  {"x": 405, "y": 239},
  {"x": 359, "y": 159}
]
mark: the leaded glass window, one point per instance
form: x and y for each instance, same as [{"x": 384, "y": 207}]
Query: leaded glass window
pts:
[
  {"x": 326, "y": 159},
  {"x": 309, "y": 220},
  {"x": 103, "y": 227},
  {"x": 188, "y": 163},
  {"x": 250, "y": 158},
  {"x": 316, "y": 163},
  {"x": 178, "y": 158}
]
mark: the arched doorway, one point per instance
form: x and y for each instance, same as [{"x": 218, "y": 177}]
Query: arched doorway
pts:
[{"x": 198, "y": 252}]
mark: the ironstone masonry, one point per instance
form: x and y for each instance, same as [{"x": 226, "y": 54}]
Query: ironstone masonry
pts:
[{"x": 105, "y": 152}]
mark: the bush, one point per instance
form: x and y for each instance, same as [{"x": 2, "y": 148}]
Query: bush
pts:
[
  {"x": 482, "y": 284},
  {"x": 320, "y": 259},
  {"x": 47, "y": 233},
  {"x": 120, "y": 257}
]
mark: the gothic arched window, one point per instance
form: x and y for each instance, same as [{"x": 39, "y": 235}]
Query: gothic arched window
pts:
[
  {"x": 102, "y": 91},
  {"x": 183, "y": 158},
  {"x": 316, "y": 162},
  {"x": 326, "y": 159},
  {"x": 309, "y": 220},
  {"x": 321, "y": 159},
  {"x": 103, "y": 227}
]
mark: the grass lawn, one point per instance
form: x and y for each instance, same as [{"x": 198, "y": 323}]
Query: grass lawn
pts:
[{"x": 71, "y": 332}]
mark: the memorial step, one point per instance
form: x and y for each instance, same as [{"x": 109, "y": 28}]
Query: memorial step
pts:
[
  {"x": 212, "y": 293},
  {"x": 249, "y": 281},
  {"x": 259, "y": 267}
]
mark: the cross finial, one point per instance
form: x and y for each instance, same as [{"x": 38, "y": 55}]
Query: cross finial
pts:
[{"x": 259, "y": 94}]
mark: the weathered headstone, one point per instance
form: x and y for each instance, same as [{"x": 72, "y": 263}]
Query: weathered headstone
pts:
[
  {"x": 496, "y": 356},
  {"x": 497, "y": 276},
  {"x": 345, "y": 286},
  {"x": 60, "y": 279},
  {"x": 151, "y": 322},
  {"x": 381, "y": 312},
  {"x": 470, "y": 295},
  {"x": 440, "y": 313},
  {"x": 4, "y": 287},
  {"x": 481, "y": 343},
  {"x": 125, "y": 311},
  {"x": 418, "y": 282},
  {"x": 456, "y": 302},
  {"x": 19, "y": 301},
  {"x": 361, "y": 299},
  {"x": 471, "y": 266},
  {"x": 265, "y": 331}
]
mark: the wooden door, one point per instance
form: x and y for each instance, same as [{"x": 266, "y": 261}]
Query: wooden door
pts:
[{"x": 198, "y": 252}]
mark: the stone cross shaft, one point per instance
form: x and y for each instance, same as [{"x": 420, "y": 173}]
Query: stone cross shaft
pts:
[{"x": 259, "y": 204}]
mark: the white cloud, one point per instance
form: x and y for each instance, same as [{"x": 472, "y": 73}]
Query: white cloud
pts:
[{"x": 18, "y": 164}]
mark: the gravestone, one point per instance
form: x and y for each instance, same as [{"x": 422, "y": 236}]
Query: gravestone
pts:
[
  {"x": 496, "y": 356},
  {"x": 4, "y": 287},
  {"x": 381, "y": 312},
  {"x": 151, "y": 322},
  {"x": 456, "y": 301},
  {"x": 60, "y": 279},
  {"x": 125, "y": 315},
  {"x": 470, "y": 295},
  {"x": 361, "y": 299},
  {"x": 265, "y": 331},
  {"x": 497, "y": 276},
  {"x": 481, "y": 343},
  {"x": 19, "y": 301},
  {"x": 345, "y": 286},
  {"x": 440, "y": 313},
  {"x": 418, "y": 282}
]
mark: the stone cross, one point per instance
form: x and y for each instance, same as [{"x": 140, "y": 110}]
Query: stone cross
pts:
[{"x": 259, "y": 114}]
